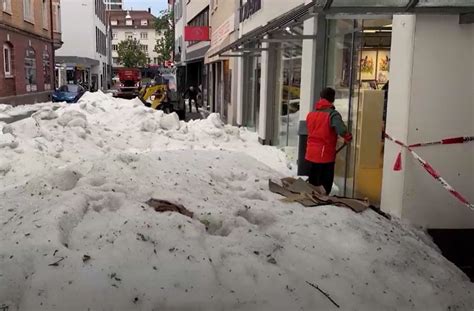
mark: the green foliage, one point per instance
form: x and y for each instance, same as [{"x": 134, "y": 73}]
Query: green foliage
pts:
[
  {"x": 165, "y": 45},
  {"x": 130, "y": 54}
]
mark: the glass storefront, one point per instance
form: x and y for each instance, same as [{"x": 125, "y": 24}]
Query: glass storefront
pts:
[
  {"x": 357, "y": 67},
  {"x": 288, "y": 90},
  {"x": 251, "y": 92}
]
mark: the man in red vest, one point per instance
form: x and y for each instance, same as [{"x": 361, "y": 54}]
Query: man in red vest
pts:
[{"x": 324, "y": 126}]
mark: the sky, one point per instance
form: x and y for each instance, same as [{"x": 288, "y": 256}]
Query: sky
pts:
[{"x": 155, "y": 5}]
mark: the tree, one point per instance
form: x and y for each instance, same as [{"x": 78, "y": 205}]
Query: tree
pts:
[
  {"x": 130, "y": 54},
  {"x": 165, "y": 45}
]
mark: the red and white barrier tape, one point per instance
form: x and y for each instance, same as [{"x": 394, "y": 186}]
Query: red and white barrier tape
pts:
[{"x": 429, "y": 168}]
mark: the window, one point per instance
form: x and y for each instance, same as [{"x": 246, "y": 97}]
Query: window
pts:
[
  {"x": 30, "y": 70},
  {"x": 45, "y": 14},
  {"x": 202, "y": 19},
  {"x": 114, "y": 22},
  {"x": 129, "y": 35},
  {"x": 156, "y": 61},
  {"x": 71, "y": 88},
  {"x": 46, "y": 70},
  {"x": 114, "y": 36},
  {"x": 28, "y": 12},
  {"x": 57, "y": 17},
  {"x": 115, "y": 60},
  {"x": 114, "y": 47},
  {"x": 144, "y": 35},
  {"x": 144, "y": 22},
  {"x": 7, "y": 6},
  {"x": 144, "y": 47},
  {"x": 129, "y": 22},
  {"x": 7, "y": 60}
]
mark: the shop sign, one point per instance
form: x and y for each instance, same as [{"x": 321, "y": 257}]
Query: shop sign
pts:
[
  {"x": 249, "y": 8},
  {"x": 199, "y": 33},
  {"x": 221, "y": 32}
]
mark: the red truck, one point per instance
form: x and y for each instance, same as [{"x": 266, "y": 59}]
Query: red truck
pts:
[{"x": 129, "y": 86}]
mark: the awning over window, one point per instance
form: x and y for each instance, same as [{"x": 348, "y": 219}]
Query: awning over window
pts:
[
  {"x": 303, "y": 12},
  {"x": 394, "y": 6}
]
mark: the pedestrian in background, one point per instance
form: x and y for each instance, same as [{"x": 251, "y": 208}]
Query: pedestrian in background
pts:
[
  {"x": 324, "y": 126},
  {"x": 192, "y": 92}
]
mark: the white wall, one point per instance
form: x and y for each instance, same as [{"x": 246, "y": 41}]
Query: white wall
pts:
[
  {"x": 307, "y": 70},
  {"x": 78, "y": 28},
  {"x": 403, "y": 39},
  {"x": 440, "y": 104},
  {"x": 271, "y": 9}
]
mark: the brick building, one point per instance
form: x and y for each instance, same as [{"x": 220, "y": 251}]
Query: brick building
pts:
[{"x": 28, "y": 42}]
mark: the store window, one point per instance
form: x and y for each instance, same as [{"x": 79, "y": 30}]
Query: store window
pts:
[
  {"x": 7, "y": 6},
  {"x": 290, "y": 90},
  {"x": 251, "y": 90},
  {"x": 28, "y": 11},
  {"x": 30, "y": 70},
  {"x": 357, "y": 67},
  {"x": 47, "y": 70},
  {"x": 7, "y": 60}
]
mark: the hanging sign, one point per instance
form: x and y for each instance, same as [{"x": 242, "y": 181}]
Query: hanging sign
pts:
[{"x": 196, "y": 33}]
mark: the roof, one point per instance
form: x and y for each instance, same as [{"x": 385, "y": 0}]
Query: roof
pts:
[{"x": 136, "y": 16}]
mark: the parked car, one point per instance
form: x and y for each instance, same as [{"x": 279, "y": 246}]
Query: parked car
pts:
[{"x": 69, "y": 93}]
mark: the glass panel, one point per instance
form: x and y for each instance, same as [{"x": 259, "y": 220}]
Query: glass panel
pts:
[
  {"x": 371, "y": 3},
  {"x": 369, "y": 102},
  {"x": 290, "y": 96},
  {"x": 437, "y": 3},
  {"x": 252, "y": 74},
  {"x": 338, "y": 76}
]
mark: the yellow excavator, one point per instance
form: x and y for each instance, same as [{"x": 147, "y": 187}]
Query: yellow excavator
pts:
[{"x": 162, "y": 94}]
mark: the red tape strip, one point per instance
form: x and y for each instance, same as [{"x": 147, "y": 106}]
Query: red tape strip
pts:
[{"x": 429, "y": 168}]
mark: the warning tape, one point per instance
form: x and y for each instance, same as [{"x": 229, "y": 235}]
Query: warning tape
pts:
[{"x": 429, "y": 168}]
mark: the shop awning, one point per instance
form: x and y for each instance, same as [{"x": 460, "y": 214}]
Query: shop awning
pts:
[
  {"x": 463, "y": 7},
  {"x": 394, "y": 6},
  {"x": 298, "y": 14}
]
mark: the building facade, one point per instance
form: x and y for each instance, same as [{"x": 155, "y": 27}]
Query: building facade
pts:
[
  {"x": 221, "y": 87},
  {"x": 113, "y": 5},
  {"x": 190, "y": 55},
  {"x": 377, "y": 60},
  {"x": 139, "y": 25},
  {"x": 30, "y": 31},
  {"x": 83, "y": 58}
]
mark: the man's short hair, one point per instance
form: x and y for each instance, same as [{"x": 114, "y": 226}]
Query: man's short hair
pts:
[{"x": 329, "y": 94}]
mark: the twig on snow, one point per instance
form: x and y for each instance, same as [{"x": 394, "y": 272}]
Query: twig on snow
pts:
[
  {"x": 324, "y": 293},
  {"x": 55, "y": 264}
]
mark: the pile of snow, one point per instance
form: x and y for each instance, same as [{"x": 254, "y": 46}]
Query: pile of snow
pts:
[{"x": 76, "y": 233}]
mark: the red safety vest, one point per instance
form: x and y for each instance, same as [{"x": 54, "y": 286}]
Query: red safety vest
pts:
[{"x": 322, "y": 137}]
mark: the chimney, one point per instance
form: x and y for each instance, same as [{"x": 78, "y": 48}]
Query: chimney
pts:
[{"x": 149, "y": 10}]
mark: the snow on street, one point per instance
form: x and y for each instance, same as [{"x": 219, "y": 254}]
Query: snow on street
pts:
[{"x": 76, "y": 233}]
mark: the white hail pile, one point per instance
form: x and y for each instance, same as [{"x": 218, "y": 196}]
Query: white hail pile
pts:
[{"x": 76, "y": 233}]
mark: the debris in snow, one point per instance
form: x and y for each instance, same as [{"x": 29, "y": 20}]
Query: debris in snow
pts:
[
  {"x": 165, "y": 206},
  {"x": 56, "y": 263},
  {"x": 324, "y": 293}
]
